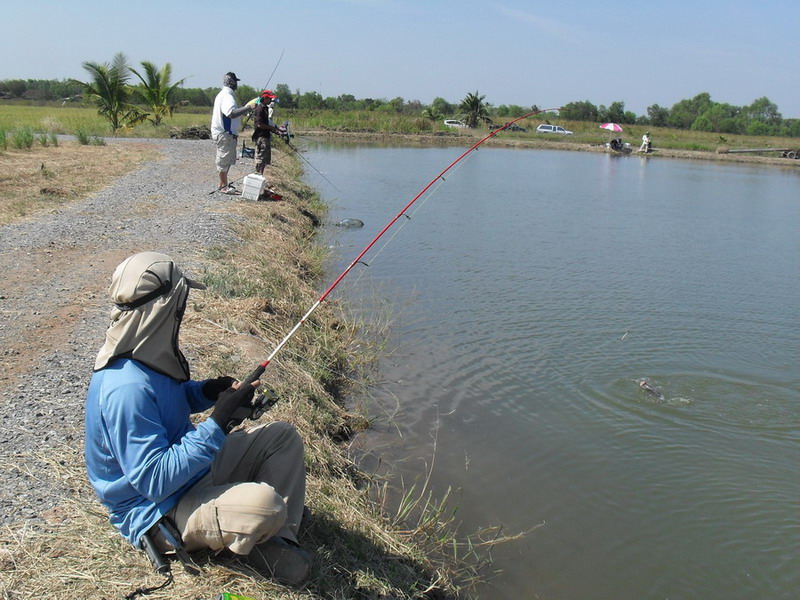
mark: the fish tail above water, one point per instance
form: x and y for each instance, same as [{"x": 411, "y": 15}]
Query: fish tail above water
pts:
[{"x": 651, "y": 389}]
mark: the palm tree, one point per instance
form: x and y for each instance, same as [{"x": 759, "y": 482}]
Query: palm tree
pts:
[
  {"x": 431, "y": 114},
  {"x": 156, "y": 91},
  {"x": 473, "y": 110},
  {"x": 110, "y": 91}
]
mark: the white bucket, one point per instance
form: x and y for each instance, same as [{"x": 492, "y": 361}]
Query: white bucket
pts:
[{"x": 253, "y": 186}]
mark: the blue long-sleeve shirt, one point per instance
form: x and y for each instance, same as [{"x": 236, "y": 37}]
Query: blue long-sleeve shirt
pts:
[{"x": 142, "y": 451}]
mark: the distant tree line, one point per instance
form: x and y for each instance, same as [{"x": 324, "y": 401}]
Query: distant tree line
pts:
[
  {"x": 700, "y": 113},
  {"x": 39, "y": 89}
]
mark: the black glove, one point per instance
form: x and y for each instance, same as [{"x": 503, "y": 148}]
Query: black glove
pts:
[
  {"x": 226, "y": 411},
  {"x": 212, "y": 388}
]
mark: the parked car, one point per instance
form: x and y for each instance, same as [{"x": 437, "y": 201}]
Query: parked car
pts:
[
  {"x": 544, "y": 128},
  {"x": 453, "y": 123}
]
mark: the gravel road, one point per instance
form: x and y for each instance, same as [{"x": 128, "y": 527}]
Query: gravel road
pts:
[{"x": 56, "y": 268}]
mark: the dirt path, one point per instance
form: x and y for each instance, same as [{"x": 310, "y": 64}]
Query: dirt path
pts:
[{"x": 54, "y": 272}]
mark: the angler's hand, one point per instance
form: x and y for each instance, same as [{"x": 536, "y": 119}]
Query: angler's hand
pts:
[
  {"x": 229, "y": 401},
  {"x": 212, "y": 388}
]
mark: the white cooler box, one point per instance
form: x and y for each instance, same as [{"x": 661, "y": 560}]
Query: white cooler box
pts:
[{"x": 253, "y": 186}]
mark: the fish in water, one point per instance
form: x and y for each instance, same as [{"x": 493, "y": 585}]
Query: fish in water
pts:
[
  {"x": 350, "y": 223},
  {"x": 651, "y": 389}
]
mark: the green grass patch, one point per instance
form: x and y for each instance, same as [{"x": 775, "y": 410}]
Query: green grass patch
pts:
[
  {"x": 362, "y": 120},
  {"x": 67, "y": 120},
  {"x": 84, "y": 120},
  {"x": 22, "y": 138}
]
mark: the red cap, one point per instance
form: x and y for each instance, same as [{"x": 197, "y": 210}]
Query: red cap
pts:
[{"x": 268, "y": 94}]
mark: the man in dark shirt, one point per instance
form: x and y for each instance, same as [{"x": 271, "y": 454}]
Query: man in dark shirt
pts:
[{"x": 263, "y": 128}]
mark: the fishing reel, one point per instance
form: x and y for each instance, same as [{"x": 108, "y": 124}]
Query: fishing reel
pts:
[{"x": 265, "y": 400}]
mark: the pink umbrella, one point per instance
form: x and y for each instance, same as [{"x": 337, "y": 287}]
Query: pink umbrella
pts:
[{"x": 611, "y": 127}]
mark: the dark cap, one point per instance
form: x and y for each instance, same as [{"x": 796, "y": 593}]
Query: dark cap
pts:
[{"x": 230, "y": 80}]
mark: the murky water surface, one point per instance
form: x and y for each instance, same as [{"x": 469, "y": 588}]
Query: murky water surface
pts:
[{"x": 532, "y": 292}]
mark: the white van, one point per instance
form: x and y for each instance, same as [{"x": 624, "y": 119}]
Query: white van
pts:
[{"x": 544, "y": 128}]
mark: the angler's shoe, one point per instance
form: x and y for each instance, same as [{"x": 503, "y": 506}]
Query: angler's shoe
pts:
[{"x": 280, "y": 559}]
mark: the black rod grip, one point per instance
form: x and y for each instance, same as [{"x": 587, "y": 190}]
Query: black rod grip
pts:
[
  {"x": 254, "y": 375},
  {"x": 160, "y": 563}
]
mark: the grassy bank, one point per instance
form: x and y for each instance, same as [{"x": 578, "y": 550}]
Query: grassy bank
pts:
[
  {"x": 584, "y": 133},
  {"x": 69, "y": 119},
  {"x": 258, "y": 288}
]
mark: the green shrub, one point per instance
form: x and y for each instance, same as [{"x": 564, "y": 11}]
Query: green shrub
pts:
[
  {"x": 3, "y": 140},
  {"x": 43, "y": 139},
  {"x": 23, "y": 138},
  {"x": 53, "y": 139},
  {"x": 84, "y": 139}
]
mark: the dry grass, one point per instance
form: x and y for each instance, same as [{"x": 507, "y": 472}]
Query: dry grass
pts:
[
  {"x": 70, "y": 119},
  {"x": 44, "y": 177},
  {"x": 258, "y": 289}
]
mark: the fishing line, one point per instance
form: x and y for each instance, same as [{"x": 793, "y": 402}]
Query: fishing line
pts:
[
  {"x": 308, "y": 162},
  {"x": 280, "y": 58},
  {"x": 358, "y": 259},
  {"x": 409, "y": 217}
]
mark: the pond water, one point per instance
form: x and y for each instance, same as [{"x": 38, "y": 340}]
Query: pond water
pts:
[{"x": 531, "y": 293}]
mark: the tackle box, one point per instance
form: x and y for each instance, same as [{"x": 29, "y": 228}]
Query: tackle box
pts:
[{"x": 254, "y": 184}]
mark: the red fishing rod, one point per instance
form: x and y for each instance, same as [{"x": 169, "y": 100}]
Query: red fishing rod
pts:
[{"x": 267, "y": 400}]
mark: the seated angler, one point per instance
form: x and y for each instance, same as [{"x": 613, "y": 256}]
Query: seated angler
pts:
[{"x": 241, "y": 492}]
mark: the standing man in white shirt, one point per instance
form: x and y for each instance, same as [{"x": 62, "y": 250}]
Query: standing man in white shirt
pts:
[{"x": 225, "y": 121}]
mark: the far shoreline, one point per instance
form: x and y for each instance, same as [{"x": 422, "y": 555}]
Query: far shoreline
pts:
[{"x": 466, "y": 140}]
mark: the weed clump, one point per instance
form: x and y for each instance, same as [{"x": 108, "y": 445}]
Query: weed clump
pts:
[
  {"x": 86, "y": 139},
  {"x": 22, "y": 138}
]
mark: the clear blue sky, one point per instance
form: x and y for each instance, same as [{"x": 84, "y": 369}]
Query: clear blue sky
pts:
[{"x": 511, "y": 51}]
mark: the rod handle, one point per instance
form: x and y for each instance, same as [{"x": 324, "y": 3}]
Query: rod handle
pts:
[
  {"x": 254, "y": 375},
  {"x": 160, "y": 563}
]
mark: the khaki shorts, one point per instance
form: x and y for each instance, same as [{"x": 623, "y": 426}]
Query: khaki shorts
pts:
[
  {"x": 226, "y": 151},
  {"x": 254, "y": 491}
]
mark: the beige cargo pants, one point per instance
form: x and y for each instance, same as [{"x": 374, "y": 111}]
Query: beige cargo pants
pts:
[{"x": 254, "y": 491}]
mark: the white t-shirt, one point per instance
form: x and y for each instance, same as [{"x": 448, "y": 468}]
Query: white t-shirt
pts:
[{"x": 224, "y": 104}]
